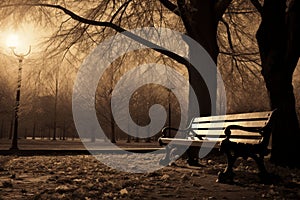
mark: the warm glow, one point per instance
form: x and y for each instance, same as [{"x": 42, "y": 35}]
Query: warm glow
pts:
[
  {"x": 21, "y": 37},
  {"x": 12, "y": 41}
]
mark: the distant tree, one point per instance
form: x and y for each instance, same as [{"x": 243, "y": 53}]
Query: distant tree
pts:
[{"x": 6, "y": 99}]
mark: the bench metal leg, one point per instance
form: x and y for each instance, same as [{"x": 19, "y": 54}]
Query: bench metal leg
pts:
[
  {"x": 193, "y": 156},
  {"x": 263, "y": 174},
  {"x": 166, "y": 160},
  {"x": 227, "y": 175},
  {"x": 234, "y": 150},
  {"x": 171, "y": 155}
]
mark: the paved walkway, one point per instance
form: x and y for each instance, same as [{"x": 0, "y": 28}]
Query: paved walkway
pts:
[{"x": 73, "y": 145}]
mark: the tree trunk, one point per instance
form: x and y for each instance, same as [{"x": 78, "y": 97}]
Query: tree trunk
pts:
[
  {"x": 201, "y": 25},
  {"x": 112, "y": 126},
  {"x": 277, "y": 40}
]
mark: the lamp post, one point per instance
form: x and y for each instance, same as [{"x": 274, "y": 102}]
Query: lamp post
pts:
[
  {"x": 169, "y": 108},
  {"x": 20, "y": 56}
]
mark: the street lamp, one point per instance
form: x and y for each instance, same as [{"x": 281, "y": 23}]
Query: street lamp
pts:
[
  {"x": 12, "y": 45},
  {"x": 169, "y": 108}
]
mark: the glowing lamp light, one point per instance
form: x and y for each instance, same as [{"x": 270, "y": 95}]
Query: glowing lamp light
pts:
[{"x": 12, "y": 41}]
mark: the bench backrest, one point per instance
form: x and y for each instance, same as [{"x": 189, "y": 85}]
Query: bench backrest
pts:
[{"x": 213, "y": 126}]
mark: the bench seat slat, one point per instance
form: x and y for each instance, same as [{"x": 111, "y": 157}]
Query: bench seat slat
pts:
[
  {"x": 215, "y": 142},
  {"x": 242, "y": 116},
  {"x": 216, "y": 133},
  {"x": 186, "y": 142},
  {"x": 221, "y": 125}
]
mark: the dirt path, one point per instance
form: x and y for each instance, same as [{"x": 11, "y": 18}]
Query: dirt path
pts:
[{"x": 84, "y": 177}]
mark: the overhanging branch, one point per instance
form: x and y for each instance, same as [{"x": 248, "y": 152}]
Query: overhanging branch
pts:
[
  {"x": 220, "y": 8},
  {"x": 170, "y": 6},
  {"x": 257, "y": 5},
  {"x": 113, "y": 26}
]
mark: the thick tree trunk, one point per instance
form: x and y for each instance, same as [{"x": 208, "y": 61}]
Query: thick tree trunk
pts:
[
  {"x": 279, "y": 59},
  {"x": 201, "y": 25}
]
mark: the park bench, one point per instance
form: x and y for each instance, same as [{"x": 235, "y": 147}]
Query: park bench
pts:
[{"x": 237, "y": 135}]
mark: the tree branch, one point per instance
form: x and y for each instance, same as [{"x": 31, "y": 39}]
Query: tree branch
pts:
[
  {"x": 170, "y": 6},
  {"x": 184, "y": 16},
  {"x": 257, "y": 5},
  {"x": 220, "y": 8},
  {"x": 122, "y": 7},
  {"x": 228, "y": 34},
  {"x": 117, "y": 28}
]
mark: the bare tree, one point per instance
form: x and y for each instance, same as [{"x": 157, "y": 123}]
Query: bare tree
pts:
[
  {"x": 6, "y": 98},
  {"x": 278, "y": 38}
]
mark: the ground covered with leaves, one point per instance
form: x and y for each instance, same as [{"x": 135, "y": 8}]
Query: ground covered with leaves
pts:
[{"x": 84, "y": 177}]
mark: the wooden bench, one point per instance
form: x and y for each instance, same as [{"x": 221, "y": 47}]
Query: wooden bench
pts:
[{"x": 237, "y": 135}]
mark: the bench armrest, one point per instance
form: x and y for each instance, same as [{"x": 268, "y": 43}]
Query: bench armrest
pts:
[
  {"x": 264, "y": 131},
  {"x": 228, "y": 129},
  {"x": 165, "y": 129},
  {"x": 176, "y": 129}
]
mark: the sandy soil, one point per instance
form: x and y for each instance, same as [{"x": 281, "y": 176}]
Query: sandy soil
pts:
[{"x": 84, "y": 177}]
